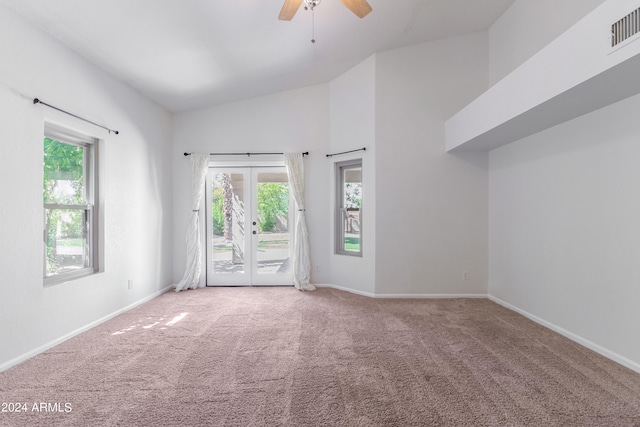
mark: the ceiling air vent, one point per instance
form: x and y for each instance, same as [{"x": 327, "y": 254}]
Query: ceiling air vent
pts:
[{"x": 625, "y": 28}]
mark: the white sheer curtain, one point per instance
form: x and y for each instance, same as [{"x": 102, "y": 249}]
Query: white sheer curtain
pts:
[
  {"x": 301, "y": 262},
  {"x": 191, "y": 278}
]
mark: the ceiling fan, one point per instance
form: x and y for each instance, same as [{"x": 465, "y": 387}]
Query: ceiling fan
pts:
[{"x": 360, "y": 7}]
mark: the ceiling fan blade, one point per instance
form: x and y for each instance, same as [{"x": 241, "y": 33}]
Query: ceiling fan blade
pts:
[
  {"x": 289, "y": 9},
  {"x": 359, "y": 7}
]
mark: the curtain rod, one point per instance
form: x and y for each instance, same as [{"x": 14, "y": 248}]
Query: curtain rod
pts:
[
  {"x": 347, "y": 152},
  {"x": 37, "y": 101},
  {"x": 306, "y": 153}
]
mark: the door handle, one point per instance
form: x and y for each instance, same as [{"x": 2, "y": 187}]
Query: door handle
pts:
[
  {"x": 255, "y": 223},
  {"x": 255, "y": 232}
]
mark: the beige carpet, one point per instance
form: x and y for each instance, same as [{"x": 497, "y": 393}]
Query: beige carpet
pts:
[{"x": 276, "y": 356}]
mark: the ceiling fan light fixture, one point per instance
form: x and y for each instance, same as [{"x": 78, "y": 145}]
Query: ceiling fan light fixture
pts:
[{"x": 311, "y": 4}]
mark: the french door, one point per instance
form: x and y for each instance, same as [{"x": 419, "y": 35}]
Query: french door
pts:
[{"x": 249, "y": 226}]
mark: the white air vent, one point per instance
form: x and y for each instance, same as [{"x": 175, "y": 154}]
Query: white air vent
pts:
[{"x": 625, "y": 28}]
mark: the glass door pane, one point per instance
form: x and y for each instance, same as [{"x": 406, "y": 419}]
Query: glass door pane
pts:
[
  {"x": 273, "y": 204},
  {"x": 228, "y": 258}
]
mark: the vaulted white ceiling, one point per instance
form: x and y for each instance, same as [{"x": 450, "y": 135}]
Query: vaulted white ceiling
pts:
[{"x": 186, "y": 54}]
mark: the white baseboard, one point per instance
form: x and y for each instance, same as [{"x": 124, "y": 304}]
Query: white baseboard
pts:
[
  {"x": 573, "y": 337},
  {"x": 47, "y": 346},
  {"x": 431, "y": 296},
  {"x": 398, "y": 296},
  {"x": 342, "y": 288}
]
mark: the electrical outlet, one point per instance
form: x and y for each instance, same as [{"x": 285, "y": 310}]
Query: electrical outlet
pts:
[
  {"x": 317, "y": 268},
  {"x": 465, "y": 275},
  {"x": 130, "y": 284}
]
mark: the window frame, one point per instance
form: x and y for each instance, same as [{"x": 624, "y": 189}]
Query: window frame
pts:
[
  {"x": 340, "y": 211},
  {"x": 90, "y": 207}
]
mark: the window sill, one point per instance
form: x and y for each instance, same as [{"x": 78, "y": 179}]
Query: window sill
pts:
[{"x": 68, "y": 277}]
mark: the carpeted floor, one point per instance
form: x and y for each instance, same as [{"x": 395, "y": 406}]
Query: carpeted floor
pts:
[{"x": 276, "y": 356}]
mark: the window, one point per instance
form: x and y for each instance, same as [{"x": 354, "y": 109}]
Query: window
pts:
[
  {"x": 70, "y": 211},
  {"x": 349, "y": 208}
]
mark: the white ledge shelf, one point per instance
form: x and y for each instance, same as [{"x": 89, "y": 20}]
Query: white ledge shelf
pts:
[{"x": 577, "y": 73}]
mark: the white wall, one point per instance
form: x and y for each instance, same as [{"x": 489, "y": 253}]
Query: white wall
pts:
[
  {"x": 528, "y": 26},
  {"x": 137, "y": 208},
  {"x": 433, "y": 213},
  {"x": 431, "y": 206},
  {"x": 296, "y": 120},
  {"x": 565, "y": 241},
  {"x": 353, "y": 118},
  {"x": 563, "y": 206}
]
